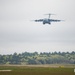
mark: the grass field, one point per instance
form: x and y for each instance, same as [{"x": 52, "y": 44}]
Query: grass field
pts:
[{"x": 37, "y": 70}]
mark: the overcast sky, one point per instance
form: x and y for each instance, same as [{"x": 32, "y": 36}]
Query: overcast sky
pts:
[{"x": 19, "y": 34}]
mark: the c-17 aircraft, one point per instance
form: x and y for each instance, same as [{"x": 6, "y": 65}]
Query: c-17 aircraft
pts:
[{"x": 47, "y": 20}]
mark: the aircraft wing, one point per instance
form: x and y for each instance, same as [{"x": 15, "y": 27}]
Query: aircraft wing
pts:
[
  {"x": 52, "y": 20},
  {"x": 40, "y": 20}
]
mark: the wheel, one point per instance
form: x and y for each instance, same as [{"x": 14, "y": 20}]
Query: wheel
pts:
[
  {"x": 43, "y": 23},
  {"x": 49, "y": 23}
]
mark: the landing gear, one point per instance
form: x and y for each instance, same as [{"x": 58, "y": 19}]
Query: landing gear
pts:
[
  {"x": 43, "y": 23},
  {"x": 49, "y": 23}
]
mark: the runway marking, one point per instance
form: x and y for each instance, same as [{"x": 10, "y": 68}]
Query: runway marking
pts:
[{"x": 5, "y": 70}]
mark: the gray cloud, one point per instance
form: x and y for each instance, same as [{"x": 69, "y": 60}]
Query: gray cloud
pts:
[{"x": 18, "y": 32}]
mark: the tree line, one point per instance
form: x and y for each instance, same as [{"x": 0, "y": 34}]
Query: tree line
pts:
[{"x": 39, "y": 58}]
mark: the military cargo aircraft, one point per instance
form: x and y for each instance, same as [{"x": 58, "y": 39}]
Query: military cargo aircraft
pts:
[{"x": 47, "y": 20}]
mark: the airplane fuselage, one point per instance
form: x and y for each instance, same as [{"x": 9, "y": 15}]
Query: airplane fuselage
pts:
[{"x": 46, "y": 21}]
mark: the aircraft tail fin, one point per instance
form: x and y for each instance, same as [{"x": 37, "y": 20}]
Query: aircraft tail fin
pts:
[{"x": 49, "y": 14}]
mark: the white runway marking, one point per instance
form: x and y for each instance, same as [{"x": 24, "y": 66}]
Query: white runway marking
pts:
[{"x": 4, "y": 70}]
